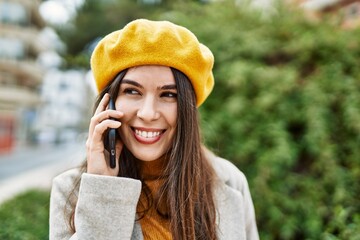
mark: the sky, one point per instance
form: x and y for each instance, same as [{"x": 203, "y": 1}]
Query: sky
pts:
[{"x": 59, "y": 11}]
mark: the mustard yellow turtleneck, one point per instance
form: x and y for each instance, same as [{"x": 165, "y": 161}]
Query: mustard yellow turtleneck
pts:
[{"x": 154, "y": 226}]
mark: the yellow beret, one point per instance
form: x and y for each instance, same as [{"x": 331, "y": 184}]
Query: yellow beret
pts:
[{"x": 145, "y": 42}]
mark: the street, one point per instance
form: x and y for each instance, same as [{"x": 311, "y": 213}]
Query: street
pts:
[
  {"x": 35, "y": 167},
  {"x": 25, "y": 159}
]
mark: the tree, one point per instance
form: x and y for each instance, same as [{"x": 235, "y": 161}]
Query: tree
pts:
[
  {"x": 94, "y": 20},
  {"x": 285, "y": 110}
]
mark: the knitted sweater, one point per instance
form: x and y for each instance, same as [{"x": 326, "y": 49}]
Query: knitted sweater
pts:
[
  {"x": 106, "y": 206},
  {"x": 154, "y": 226}
]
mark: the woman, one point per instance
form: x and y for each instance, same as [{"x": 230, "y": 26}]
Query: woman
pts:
[{"x": 165, "y": 185}]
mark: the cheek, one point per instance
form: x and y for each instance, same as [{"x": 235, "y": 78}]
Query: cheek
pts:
[
  {"x": 171, "y": 116},
  {"x": 173, "y": 119},
  {"x": 122, "y": 105},
  {"x": 128, "y": 110}
]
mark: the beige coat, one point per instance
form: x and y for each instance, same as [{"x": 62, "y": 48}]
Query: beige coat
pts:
[{"x": 106, "y": 207}]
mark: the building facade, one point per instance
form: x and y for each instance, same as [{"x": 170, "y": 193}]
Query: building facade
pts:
[
  {"x": 20, "y": 75},
  {"x": 65, "y": 109},
  {"x": 344, "y": 12}
]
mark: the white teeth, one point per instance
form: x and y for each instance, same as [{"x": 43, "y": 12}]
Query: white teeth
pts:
[{"x": 147, "y": 134}]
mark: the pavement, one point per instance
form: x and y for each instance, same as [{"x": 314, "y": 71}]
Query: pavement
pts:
[{"x": 34, "y": 168}]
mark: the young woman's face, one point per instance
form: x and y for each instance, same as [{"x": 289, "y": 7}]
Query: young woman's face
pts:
[{"x": 148, "y": 98}]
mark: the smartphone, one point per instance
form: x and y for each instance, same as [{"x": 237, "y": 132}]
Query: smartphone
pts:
[{"x": 111, "y": 139}]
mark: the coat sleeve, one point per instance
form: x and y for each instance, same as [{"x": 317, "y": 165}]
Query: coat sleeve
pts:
[
  {"x": 106, "y": 208},
  {"x": 62, "y": 186}
]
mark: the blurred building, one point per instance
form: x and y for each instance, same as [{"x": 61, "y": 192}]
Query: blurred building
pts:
[
  {"x": 345, "y": 12},
  {"x": 64, "y": 112},
  {"x": 20, "y": 75}
]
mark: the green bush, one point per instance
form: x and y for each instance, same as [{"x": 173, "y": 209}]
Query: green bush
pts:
[
  {"x": 26, "y": 217},
  {"x": 286, "y": 110}
]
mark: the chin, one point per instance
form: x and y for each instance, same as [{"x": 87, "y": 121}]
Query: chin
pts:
[{"x": 147, "y": 157}]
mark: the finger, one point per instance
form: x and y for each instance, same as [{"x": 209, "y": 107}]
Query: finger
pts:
[
  {"x": 100, "y": 108},
  {"x": 102, "y": 127},
  {"x": 96, "y": 119},
  {"x": 103, "y": 104},
  {"x": 96, "y": 142},
  {"x": 108, "y": 114}
]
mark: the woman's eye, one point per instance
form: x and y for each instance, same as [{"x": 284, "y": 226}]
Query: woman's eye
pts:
[
  {"x": 169, "y": 94},
  {"x": 131, "y": 91}
]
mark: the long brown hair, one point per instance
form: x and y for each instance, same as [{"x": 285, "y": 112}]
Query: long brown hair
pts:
[{"x": 189, "y": 186}]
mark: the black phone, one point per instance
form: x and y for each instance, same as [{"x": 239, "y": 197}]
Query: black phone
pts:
[{"x": 111, "y": 139}]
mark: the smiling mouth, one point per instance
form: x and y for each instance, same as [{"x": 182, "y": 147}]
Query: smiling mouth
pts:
[{"x": 147, "y": 136}]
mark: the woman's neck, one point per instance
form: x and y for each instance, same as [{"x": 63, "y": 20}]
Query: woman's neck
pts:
[{"x": 150, "y": 170}]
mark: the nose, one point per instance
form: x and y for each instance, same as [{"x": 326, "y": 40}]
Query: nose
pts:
[{"x": 148, "y": 111}]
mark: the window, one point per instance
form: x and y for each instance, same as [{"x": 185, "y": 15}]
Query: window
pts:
[
  {"x": 63, "y": 86},
  {"x": 13, "y": 13},
  {"x": 12, "y": 48}
]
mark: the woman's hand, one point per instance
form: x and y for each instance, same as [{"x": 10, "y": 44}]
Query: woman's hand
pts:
[{"x": 98, "y": 161}]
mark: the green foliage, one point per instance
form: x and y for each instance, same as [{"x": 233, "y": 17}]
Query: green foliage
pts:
[
  {"x": 25, "y": 217},
  {"x": 286, "y": 110},
  {"x": 96, "y": 19}
]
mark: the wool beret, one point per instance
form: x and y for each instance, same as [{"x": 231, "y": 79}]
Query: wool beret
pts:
[{"x": 145, "y": 42}]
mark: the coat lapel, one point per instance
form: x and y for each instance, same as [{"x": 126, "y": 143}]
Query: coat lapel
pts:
[{"x": 229, "y": 213}]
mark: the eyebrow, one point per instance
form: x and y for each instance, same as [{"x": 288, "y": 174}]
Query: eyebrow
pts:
[
  {"x": 168, "y": 87},
  {"x": 136, "y": 84}
]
